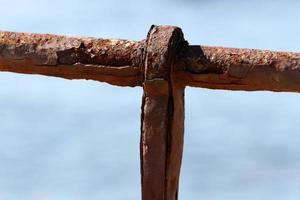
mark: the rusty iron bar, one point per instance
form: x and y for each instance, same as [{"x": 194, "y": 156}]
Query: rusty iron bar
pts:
[
  {"x": 163, "y": 65},
  {"x": 118, "y": 62},
  {"x": 162, "y": 116},
  {"x": 240, "y": 69},
  {"x": 107, "y": 60}
]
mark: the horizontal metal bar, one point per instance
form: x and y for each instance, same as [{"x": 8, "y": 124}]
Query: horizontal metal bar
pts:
[
  {"x": 239, "y": 69},
  {"x": 119, "y": 62},
  {"x": 105, "y": 60}
]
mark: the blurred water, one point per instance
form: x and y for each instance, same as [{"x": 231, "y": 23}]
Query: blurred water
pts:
[{"x": 77, "y": 140}]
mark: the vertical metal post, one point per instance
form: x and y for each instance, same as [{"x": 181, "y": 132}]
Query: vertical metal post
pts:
[{"x": 162, "y": 119}]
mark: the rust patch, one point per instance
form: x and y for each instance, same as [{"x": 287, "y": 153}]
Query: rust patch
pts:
[
  {"x": 50, "y": 54},
  {"x": 240, "y": 69},
  {"x": 162, "y": 116}
]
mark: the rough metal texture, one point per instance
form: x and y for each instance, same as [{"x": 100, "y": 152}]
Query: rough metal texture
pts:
[
  {"x": 162, "y": 116},
  {"x": 163, "y": 65},
  {"x": 112, "y": 61},
  {"x": 240, "y": 69},
  {"x": 118, "y": 62}
]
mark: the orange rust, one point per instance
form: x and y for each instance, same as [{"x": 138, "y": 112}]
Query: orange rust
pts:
[
  {"x": 162, "y": 116},
  {"x": 239, "y": 69},
  {"x": 163, "y": 65},
  {"x": 107, "y": 60},
  {"x": 198, "y": 66}
]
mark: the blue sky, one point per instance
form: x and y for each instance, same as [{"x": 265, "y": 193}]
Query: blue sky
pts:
[{"x": 77, "y": 140}]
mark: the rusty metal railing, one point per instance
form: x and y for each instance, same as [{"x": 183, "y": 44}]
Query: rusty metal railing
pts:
[{"x": 163, "y": 65}]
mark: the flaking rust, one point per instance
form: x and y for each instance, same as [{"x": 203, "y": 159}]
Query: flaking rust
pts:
[
  {"x": 240, "y": 69},
  {"x": 107, "y": 60},
  {"x": 120, "y": 62},
  {"x": 84, "y": 50},
  {"x": 163, "y": 65},
  {"x": 162, "y": 116}
]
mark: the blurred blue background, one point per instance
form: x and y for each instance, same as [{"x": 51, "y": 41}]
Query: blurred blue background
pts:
[{"x": 76, "y": 140}]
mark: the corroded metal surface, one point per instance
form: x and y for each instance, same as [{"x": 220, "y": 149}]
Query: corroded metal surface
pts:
[
  {"x": 120, "y": 62},
  {"x": 163, "y": 65},
  {"x": 240, "y": 69},
  {"x": 162, "y": 116},
  {"x": 108, "y": 60}
]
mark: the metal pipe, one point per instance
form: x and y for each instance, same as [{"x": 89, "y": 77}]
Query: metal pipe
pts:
[
  {"x": 107, "y": 60},
  {"x": 119, "y": 62},
  {"x": 163, "y": 65},
  {"x": 239, "y": 69}
]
